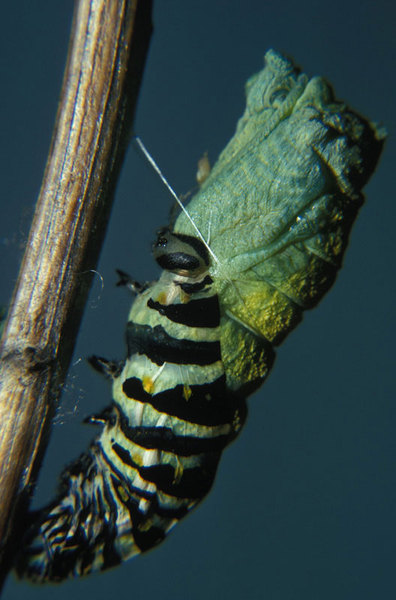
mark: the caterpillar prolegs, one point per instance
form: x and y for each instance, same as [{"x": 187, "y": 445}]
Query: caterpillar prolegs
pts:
[{"x": 275, "y": 211}]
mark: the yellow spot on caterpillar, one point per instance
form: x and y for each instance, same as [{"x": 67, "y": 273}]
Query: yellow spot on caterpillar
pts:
[
  {"x": 179, "y": 469},
  {"x": 162, "y": 298},
  {"x": 123, "y": 494},
  {"x": 145, "y": 525},
  {"x": 148, "y": 384},
  {"x": 187, "y": 392},
  {"x": 137, "y": 458}
]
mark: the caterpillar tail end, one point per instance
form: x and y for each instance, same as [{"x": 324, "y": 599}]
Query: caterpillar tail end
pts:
[{"x": 42, "y": 561}]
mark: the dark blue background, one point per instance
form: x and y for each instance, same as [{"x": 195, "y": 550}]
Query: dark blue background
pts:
[{"x": 304, "y": 506}]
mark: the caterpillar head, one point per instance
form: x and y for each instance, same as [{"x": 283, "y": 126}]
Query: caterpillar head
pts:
[{"x": 182, "y": 254}]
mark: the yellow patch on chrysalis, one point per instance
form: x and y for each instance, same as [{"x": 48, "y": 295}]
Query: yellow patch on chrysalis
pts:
[
  {"x": 187, "y": 392},
  {"x": 148, "y": 384}
]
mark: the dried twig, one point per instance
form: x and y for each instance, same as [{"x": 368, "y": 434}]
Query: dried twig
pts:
[{"x": 104, "y": 68}]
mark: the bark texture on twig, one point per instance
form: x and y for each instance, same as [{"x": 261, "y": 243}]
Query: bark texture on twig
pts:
[{"x": 107, "y": 51}]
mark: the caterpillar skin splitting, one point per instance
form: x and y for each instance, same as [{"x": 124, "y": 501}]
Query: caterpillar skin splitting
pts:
[
  {"x": 171, "y": 417},
  {"x": 276, "y": 210}
]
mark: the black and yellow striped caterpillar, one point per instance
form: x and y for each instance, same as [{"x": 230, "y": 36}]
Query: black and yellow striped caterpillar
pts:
[{"x": 260, "y": 242}]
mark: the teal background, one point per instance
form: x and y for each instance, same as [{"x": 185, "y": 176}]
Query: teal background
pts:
[{"x": 304, "y": 506}]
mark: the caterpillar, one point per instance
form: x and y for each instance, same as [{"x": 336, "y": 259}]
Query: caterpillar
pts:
[{"x": 260, "y": 242}]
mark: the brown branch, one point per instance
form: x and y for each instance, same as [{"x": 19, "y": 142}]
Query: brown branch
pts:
[{"x": 107, "y": 51}]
